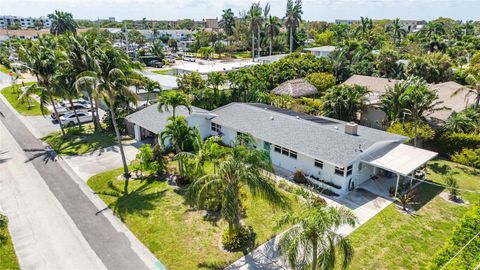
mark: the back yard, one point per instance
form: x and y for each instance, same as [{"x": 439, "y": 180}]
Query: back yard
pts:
[{"x": 394, "y": 240}]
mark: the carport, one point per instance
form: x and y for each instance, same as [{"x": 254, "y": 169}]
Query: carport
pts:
[{"x": 400, "y": 159}]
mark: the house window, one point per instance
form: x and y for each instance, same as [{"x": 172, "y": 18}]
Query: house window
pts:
[
  {"x": 318, "y": 164},
  {"x": 349, "y": 170},
  {"x": 285, "y": 151},
  {"x": 216, "y": 127},
  {"x": 340, "y": 171}
]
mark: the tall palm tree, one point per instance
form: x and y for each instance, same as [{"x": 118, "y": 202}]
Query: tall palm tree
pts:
[
  {"x": 391, "y": 100},
  {"x": 178, "y": 135},
  {"x": 62, "y": 22},
  {"x": 272, "y": 26},
  {"x": 157, "y": 49},
  {"x": 215, "y": 80},
  {"x": 241, "y": 167},
  {"x": 397, "y": 31},
  {"x": 419, "y": 99},
  {"x": 473, "y": 80},
  {"x": 293, "y": 18},
  {"x": 344, "y": 102},
  {"x": 151, "y": 86},
  {"x": 173, "y": 99},
  {"x": 254, "y": 17},
  {"x": 228, "y": 21},
  {"x": 314, "y": 239},
  {"x": 41, "y": 60},
  {"x": 64, "y": 82}
]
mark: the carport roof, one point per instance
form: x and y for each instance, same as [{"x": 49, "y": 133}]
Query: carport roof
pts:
[{"x": 399, "y": 158}]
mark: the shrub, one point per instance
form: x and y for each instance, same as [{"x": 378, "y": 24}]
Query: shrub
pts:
[
  {"x": 234, "y": 240},
  {"x": 468, "y": 157},
  {"x": 3, "y": 229},
  {"x": 424, "y": 131},
  {"x": 452, "y": 187},
  {"x": 321, "y": 80},
  {"x": 450, "y": 143},
  {"x": 465, "y": 231},
  {"x": 299, "y": 177}
]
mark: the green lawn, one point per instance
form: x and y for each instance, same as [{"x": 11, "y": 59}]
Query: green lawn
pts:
[
  {"x": 180, "y": 237},
  {"x": 12, "y": 94},
  {"x": 164, "y": 71},
  {"x": 243, "y": 55},
  {"x": 394, "y": 240},
  {"x": 79, "y": 142},
  {"x": 8, "y": 259},
  {"x": 4, "y": 69}
]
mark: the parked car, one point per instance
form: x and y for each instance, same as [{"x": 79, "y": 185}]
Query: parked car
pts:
[
  {"x": 155, "y": 63},
  {"x": 62, "y": 110},
  {"x": 189, "y": 58},
  {"x": 70, "y": 119}
]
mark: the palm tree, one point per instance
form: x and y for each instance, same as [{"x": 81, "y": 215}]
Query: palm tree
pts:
[
  {"x": 366, "y": 26},
  {"x": 473, "y": 80},
  {"x": 41, "y": 60},
  {"x": 173, "y": 99},
  {"x": 62, "y": 22},
  {"x": 64, "y": 83},
  {"x": 157, "y": 49},
  {"x": 405, "y": 198},
  {"x": 178, "y": 135},
  {"x": 254, "y": 17},
  {"x": 391, "y": 100},
  {"x": 206, "y": 150},
  {"x": 242, "y": 167},
  {"x": 397, "y": 31},
  {"x": 228, "y": 21},
  {"x": 344, "y": 102},
  {"x": 314, "y": 239},
  {"x": 419, "y": 99},
  {"x": 459, "y": 122},
  {"x": 272, "y": 26},
  {"x": 151, "y": 86},
  {"x": 215, "y": 80},
  {"x": 293, "y": 18}
]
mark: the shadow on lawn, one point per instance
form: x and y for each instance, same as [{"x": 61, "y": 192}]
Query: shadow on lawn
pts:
[
  {"x": 137, "y": 201},
  {"x": 213, "y": 265},
  {"x": 424, "y": 193},
  {"x": 80, "y": 141}
]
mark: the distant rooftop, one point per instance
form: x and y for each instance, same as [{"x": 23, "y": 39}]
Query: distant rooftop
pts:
[
  {"x": 214, "y": 66},
  {"x": 321, "y": 49}
]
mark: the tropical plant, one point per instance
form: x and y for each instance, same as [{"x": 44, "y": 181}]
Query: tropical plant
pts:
[
  {"x": 461, "y": 122},
  {"x": 62, "y": 22},
  {"x": 434, "y": 67},
  {"x": 473, "y": 80},
  {"x": 314, "y": 239},
  {"x": 190, "y": 82},
  {"x": 344, "y": 101},
  {"x": 205, "y": 52},
  {"x": 272, "y": 25},
  {"x": 171, "y": 100},
  {"x": 241, "y": 167},
  {"x": 215, "y": 80},
  {"x": 468, "y": 157},
  {"x": 321, "y": 80},
  {"x": 397, "y": 31},
  {"x": 452, "y": 187},
  {"x": 293, "y": 18},
  {"x": 254, "y": 17},
  {"x": 152, "y": 86},
  {"x": 405, "y": 198},
  {"x": 228, "y": 21},
  {"x": 157, "y": 49}
]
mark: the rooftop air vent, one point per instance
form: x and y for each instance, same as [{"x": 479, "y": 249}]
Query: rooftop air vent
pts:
[
  {"x": 271, "y": 117},
  {"x": 351, "y": 128}
]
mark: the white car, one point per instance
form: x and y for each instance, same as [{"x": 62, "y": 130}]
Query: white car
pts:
[
  {"x": 70, "y": 119},
  {"x": 62, "y": 110}
]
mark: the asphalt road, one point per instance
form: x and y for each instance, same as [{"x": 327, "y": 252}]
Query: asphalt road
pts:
[{"x": 111, "y": 246}]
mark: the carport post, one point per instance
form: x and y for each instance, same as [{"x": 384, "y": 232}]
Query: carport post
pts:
[{"x": 396, "y": 187}]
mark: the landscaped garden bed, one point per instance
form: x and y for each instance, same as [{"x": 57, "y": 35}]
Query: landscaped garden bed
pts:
[{"x": 12, "y": 94}]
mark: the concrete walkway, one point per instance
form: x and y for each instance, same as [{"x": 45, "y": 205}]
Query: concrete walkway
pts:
[
  {"x": 110, "y": 242},
  {"x": 364, "y": 205}
]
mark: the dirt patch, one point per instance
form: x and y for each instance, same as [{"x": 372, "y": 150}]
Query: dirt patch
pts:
[{"x": 459, "y": 200}]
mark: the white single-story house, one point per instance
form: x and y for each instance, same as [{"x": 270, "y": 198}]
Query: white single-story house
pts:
[
  {"x": 207, "y": 67},
  {"x": 333, "y": 154},
  {"x": 373, "y": 115},
  {"x": 270, "y": 58},
  {"x": 322, "y": 51}
]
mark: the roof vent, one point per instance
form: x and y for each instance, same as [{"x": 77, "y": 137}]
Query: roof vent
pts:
[
  {"x": 271, "y": 117},
  {"x": 265, "y": 108},
  {"x": 351, "y": 128},
  {"x": 298, "y": 117},
  {"x": 336, "y": 127}
]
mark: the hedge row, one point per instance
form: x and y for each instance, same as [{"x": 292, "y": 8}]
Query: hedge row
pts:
[{"x": 450, "y": 143}]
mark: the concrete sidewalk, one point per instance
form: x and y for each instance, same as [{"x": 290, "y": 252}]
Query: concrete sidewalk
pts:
[{"x": 112, "y": 246}]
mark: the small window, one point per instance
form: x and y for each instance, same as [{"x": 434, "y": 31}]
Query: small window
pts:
[
  {"x": 339, "y": 171},
  {"x": 285, "y": 151},
  {"x": 293, "y": 154},
  {"x": 215, "y": 127},
  {"x": 318, "y": 164},
  {"x": 278, "y": 149},
  {"x": 349, "y": 170}
]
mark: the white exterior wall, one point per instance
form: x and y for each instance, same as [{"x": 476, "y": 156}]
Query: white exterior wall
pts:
[
  {"x": 372, "y": 116},
  {"x": 201, "y": 123}
]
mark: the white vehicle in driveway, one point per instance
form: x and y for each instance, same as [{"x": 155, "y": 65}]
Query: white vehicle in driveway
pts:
[
  {"x": 61, "y": 110},
  {"x": 70, "y": 119}
]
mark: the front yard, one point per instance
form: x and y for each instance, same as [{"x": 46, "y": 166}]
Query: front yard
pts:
[
  {"x": 180, "y": 237},
  {"x": 12, "y": 93},
  {"x": 394, "y": 240},
  {"x": 8, "y": 259},
  {"x": 79, "y": 142}
]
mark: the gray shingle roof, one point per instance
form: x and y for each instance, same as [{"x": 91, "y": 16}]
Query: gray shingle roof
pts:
[
  {"x": 295, "y": 88},
  {"x": 153, "y": 120},
  {"x": 325, "y": 140}
]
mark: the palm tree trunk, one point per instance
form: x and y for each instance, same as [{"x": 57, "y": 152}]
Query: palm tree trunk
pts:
[
  {"x": 314, "y": 254},
  {"x": 253, "y": 45},
  {"x": 56, "y": 114},
  {"x": 96, "y": 112},
  {"x": 258, "y": 40},
  {"x": 415, "y": 130},
  {"x": 477, "y": 102},
  {"x": 75, "y": 112},
  {"x": 270, "y": 51},
  {"x": 92, "y": 108},
  {"x": 291, "y": 39},
  {"x": 126, "y": 173}
]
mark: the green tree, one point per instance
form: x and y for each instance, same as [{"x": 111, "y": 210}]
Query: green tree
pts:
[
  {"x": 215, "y": 80},
  {"x": 386, "y": 64},
  {"x": 434, "y": 67},
  {"x": 242, "y": 167},
  {"x": 62, "y": 22},
  {"x": 254, "y": 17},
  {"x": 397, "y": 31},
  {"x": 228, "y": 21},
  {"x": 206, "y": 52},
  {"x": 313, "y": 240},
  {"x": 173, "y": 99},
  {"x": 321, "y": 80},
  {"x": 190, "y": 82},
  {"x": 172, "y": 44},
  {"x": 344, "y": 102},
  {"x": 473, "y": 80},
  {"x": 157, "y": 49},
  {"x": 272, "y": 25},
  {"x": 293, "y": 18},
  {"x": 152, "y": 86},
  {"x": 325, "y": 38}
]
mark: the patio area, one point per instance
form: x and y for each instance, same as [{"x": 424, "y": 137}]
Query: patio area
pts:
[{"x": 379, "y": 185}]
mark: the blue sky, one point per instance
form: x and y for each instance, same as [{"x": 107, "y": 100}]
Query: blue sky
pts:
[{"x": 326, "y": 10}]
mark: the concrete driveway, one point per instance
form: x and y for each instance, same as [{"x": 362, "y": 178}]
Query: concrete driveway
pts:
[{"x": 106, "y": 159}]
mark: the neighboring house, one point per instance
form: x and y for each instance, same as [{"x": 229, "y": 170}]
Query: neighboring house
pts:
[
  {"x": 211, "y": 66},
  {"x": 25, "y": 22},
  {"x": 295, "y": 88},
  {"x": 322, "y": 51},
  {"x": 270, "y": 59},
  {"x": 333, "y": 154},
  {"x": 373, "y": 116}
]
